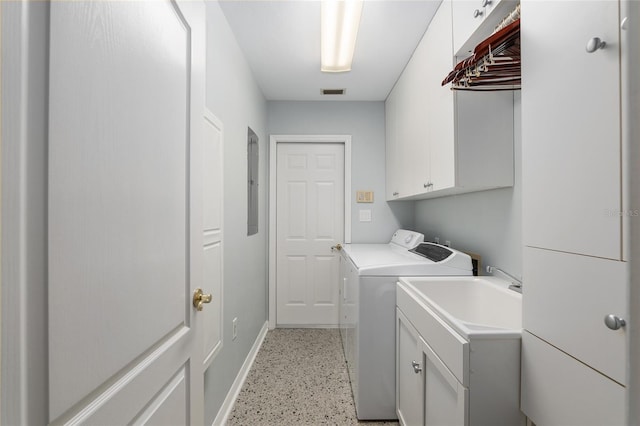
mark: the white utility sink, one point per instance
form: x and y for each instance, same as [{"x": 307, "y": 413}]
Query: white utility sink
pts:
[
  {"x": 469, "y": 329},
  {"x": 473, "y": 306}
]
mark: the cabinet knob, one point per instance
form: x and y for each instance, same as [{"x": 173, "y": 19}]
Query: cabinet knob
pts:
[
  {"x": 614, "y": 322},
  {"x": 395, "y": 194},
  {"x": 594, "y": 44},
  {"x": 477, "y": 13},
  {"x": 486, "y": 3},
  {"x": 416, "y": 367}
]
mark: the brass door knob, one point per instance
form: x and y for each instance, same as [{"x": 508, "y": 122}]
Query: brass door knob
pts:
[
  {"x": 199, "y": 298},
  {"x": 336, "y": 247}
]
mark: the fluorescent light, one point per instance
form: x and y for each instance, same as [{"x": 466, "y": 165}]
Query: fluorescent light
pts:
[{"x": 339, "y": 22}]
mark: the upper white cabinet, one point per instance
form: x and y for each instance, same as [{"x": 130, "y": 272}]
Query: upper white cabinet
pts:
[
  {"x": 439, "y": 141},
  {"x": 571, "y": 128},
  {"x": 475, "y": 20}
]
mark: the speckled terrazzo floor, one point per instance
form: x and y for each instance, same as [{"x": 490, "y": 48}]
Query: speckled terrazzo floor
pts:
[{"x": 299, "y": 377}]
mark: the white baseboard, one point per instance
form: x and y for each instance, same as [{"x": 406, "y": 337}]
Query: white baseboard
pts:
[{"x": 232, "y": 395}]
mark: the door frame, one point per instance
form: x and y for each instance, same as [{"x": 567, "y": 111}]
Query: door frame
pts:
[
  {"x": 24, "y": 364},
  {"x": 274, "y": 140}
]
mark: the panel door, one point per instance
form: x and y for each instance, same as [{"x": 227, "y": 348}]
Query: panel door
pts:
[
  {"x": 125, "y": 212},
  {"x": 409, "y": 373},
  {"x": 414, "y": 141},
  {"x": 310, "y": 220},
  {"x": 567, "y": 297},
  {"x": 212, "y": 234},
  {"x": 446, "y": 401},
  {"x": 571, "y": 128},
  {"x": 465, "y": 22},
  {"x": 439, "y": 107},
  {"x": 559, "y": 390},
  {"x": 392, "y": 160}
]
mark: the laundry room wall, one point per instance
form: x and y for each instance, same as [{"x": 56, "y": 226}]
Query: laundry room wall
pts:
[
  {"x": 236, "y": 100},
  {"x": 488, "y": 223},
  {"x": 364, "y": 121}
]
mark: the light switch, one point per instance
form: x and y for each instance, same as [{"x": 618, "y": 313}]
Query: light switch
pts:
[{"x": 365, "y": 215}]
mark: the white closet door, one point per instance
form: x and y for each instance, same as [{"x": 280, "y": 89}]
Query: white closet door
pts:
[
  {"x": 571, "y": 128},
  {"x": 125, "y": 212},
  {"x": 212, "y": 233},
  {"x": 310, "y": 220}
]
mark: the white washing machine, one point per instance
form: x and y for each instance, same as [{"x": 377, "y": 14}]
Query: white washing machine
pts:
[{"x": 369, "y": 273}]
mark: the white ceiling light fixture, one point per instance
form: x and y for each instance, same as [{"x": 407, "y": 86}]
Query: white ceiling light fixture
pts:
[{"x": 339, "y": 22}]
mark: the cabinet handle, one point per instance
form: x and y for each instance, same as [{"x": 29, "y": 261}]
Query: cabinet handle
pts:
[
  {"x": 395, "y": 194},
  {"x": 595, "y": 44},
  {"x": 477, "y": 13},
  {"x": 416, "y": 367},
  {"x": 486, "y": 3},
  {"x": 426, "y": 184},
  {"x": 614, "y": 322}
]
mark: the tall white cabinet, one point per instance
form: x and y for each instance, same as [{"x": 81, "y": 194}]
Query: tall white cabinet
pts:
[
  {"x": 574, "y": 226},
  {"x": 439, "y": 141}
]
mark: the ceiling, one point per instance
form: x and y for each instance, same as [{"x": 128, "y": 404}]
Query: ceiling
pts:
[{"x": 281, "y": 41}]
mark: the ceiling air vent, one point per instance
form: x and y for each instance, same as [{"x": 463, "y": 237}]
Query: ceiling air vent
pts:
[{"x": 333, "y": 91}]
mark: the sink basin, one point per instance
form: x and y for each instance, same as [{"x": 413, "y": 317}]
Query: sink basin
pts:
[{"x": 473, "y": 306}]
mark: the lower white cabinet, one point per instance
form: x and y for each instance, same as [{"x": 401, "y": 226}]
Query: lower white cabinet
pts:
[
  {"x": 557, "y": 389},
  {"x": 427, "y": 392},
  {"x": 443, "y": 378}
]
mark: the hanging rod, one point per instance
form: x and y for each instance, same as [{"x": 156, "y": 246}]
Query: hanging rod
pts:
[{"x": 495, "y": 63}]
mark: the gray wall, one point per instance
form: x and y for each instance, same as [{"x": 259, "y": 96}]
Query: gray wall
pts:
[
  {"x": 488, "y": 223},
  {"x": 364, "y": 121},
  {"x": 234, "y": 97}
]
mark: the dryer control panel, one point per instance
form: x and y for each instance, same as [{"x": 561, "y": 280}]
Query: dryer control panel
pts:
[{"x": 407, "y": 239}]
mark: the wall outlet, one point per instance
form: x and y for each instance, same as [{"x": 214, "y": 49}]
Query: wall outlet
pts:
[{"x": 235, "y": 328}]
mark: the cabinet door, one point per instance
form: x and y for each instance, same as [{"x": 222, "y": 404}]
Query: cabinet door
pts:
[
  {"x": 409, "y": 373},
  {"x": 571, "y": 128},
  {"x": 566, "y": 298},
  {"x": 558, "y": 390},
  {"x": 440, "y": 105},
  {"x": 391, "y": 145},
  {"x": 465, "y": 21},
  {"x": 415, "y": 144},
  {"x": 445, "y": 399}
]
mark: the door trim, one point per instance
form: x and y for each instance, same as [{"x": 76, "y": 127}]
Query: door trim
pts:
[
  {"x": 274, "y": 140},
  {"x": 23, "y": 279}
]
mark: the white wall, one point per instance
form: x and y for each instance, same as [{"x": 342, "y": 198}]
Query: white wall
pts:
[
  {"x": 364, "y": 121},
  {"x": 488, "y": 223},
  {"x": 234, "y": 97}
]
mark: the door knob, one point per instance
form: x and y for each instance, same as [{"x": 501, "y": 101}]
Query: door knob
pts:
[
  {"x": 199, "y": 299},
  {"x": 614, "y": 322},
  {"x": 336, "y": 247},
  {"x": 416, "y": 367},
  {"x": 595, "y": 44}
]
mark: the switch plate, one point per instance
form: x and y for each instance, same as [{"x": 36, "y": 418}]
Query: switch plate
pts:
[
  {"x": 365, "y": 215},
  {"x": 364, "y": 196}
]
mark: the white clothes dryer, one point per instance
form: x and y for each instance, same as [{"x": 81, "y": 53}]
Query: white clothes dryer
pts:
[{"x": 369, "y": 273}]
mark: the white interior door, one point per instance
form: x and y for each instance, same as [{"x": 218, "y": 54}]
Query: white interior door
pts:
[
  {"x": 309, "y": 221},
  {"x": 125, "y": 212},
  {"x": 212, "y": 234}
]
